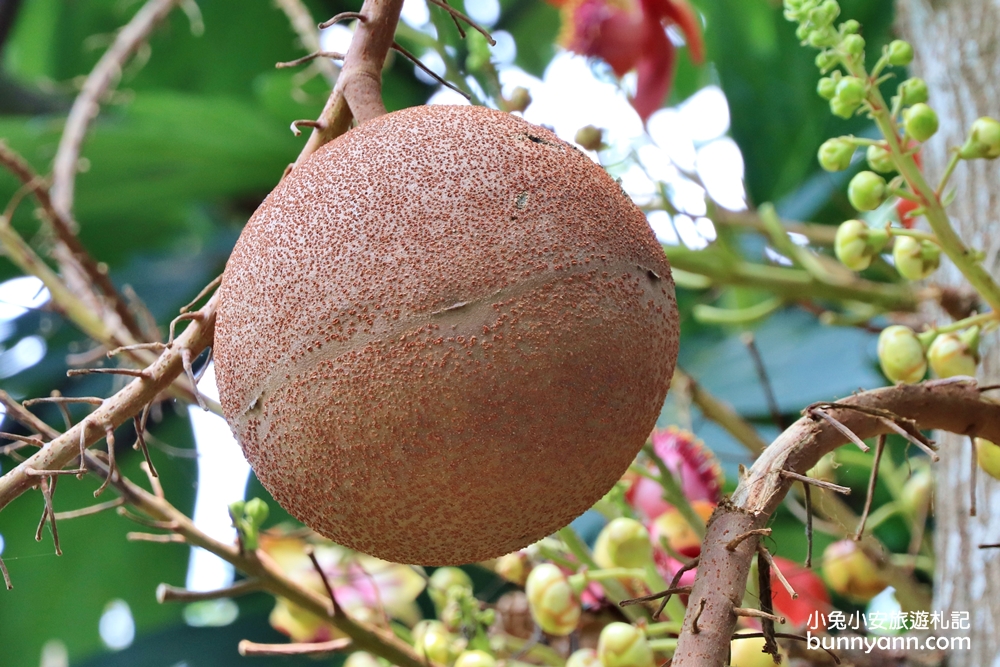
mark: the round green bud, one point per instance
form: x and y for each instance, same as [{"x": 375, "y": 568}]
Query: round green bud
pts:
[
  {"x": 425, "y": 626},
  {"x": 849, "y": 572},
  {"x": 475, "y": 659},
  {"x": 917, "y": 491},
  {"x": 915, "y": 259},
  {"x": 900, "y": 53},
  {"x": 447, "y": 582},
  {"x": 825, "y": 14},
  {"x": 841, "y": 109},
  {"x": 983, "y": 141},
  {"x": 853, "y": 45},
  {"x": 866, "y": 191},
  {"x": 949, "y": 356},
  {"x": 625, "y": 543},
  {"x": 519, "y": 99},
  {"x": 590, "y": 137},
  {"x": 624, "y": 645},
  {"x": 913, "y": 91},
  {"x": 236, "y": 508},
  {"x": 880, "y": 159},
  {"x": 988, "y": 456},
  {"x": 551, "y": 599},
  {"x": 827, "y": 87},
  {"x": 825, "y": 61},
  {"x": 920, "y": 122},
  {"x": 513, "y": 567},
  {"x": 851, "y": 90},
  {"x": 822, "y": 38},
  {"x": 856, "y": 244},
  {"x": 361, "y": 659},
  {"x": 803, "y": 31},
  {"x": 256, "y": 511},
  {"x": 584, "y": 657},
  {"x": 436, "y": 645},
  {"x": 901, "y": 354},
  {"x": 836, "y": 154},
  {"x": 849, "y": 27}
]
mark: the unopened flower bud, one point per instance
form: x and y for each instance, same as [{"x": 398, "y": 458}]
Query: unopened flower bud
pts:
[
  {"x": 880, "y": 159},
  {"x": 913, "y": 91},
  {"x": 256, "y": 511},
  {"x": 553, "y": 604},
  {"x": 920, "y": 121},
  {"x": 917, "y": 491},
  {"x": 749, "y": 652},
  {"x": 866, "y": 191},
  {"x": 624, "y": 645},
  {"x": 836, "y": 154},
  {"x": 821, "y": 38},
  {"x": 513, "y": 567},
  {"x": 475, "y": 659},
  {"x": 983, "y": 141},
  {"x": 436, "y": 645},
  {"x": 988, "y": 456},
  {"x": 851, "y": 90},
  {"x": 901, "y": 354},
  {"x": 625, "y": 543},
  {"x": 825, "y": 61},
  {"x": 519, "y": 100},
  {"x": 444, "y": 579},
  {"x": 949, "y": 355},
  {"x": 853, "y": 45},
  {"x": 850, "y": 27},
  {"x": 849, "y": 572},
  {"x": 584, "y": 657},
  {"x": 827, "y": 87},
  {"x": 825, "y": 14},
  {"x": 856, "y": 244},
  {"x": 361, "y": 659},
  {"x": 674, "y": 529},
  {"x": 915, "y": 259},
  {"x": 590, "y": 137},
  {"x": 900, "y": 53}
]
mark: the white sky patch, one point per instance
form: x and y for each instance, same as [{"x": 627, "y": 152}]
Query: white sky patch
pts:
[
  {"x": 117, "y": 627},
  {"x": 222, "y": 479},
  {"x": 667, "y": 130},
  {"x": 688, "y": 197},
  {"x": 705, "y": 115},
  {"x": 663, "y": 227},
  {"x": 1, "y": 545},
  {"x": 638, "y": 185},
  {"x": 18, "y": 295},
  {"x": 415, "y": 13},
  {"x": 23, "y": 355},
  {"x": 688, "y": 231},
  {"x": 336, "y": 38},
  {"x": 657, "y": 163},
  {"x": 776, "y": 257},
  {"x": 720, "y": 167},
  {"x": 434, "y": 62},
  {"x": 506, "y": 48},
  {"x": 484, "y": 12},
  {"x": 447, "y": 96}
]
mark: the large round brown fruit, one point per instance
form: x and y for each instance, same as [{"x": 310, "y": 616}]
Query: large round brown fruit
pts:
[{"x": 444, "y": 336}]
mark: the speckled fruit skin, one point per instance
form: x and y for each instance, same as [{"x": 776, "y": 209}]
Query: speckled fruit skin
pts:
[{"x": 444, "y": 336}]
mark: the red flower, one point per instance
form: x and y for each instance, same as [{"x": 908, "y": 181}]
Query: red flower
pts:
[
  {"x": 813, "y": 596},
  {"x": 629, "y": 35}
]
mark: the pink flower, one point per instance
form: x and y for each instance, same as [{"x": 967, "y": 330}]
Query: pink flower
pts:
[
  {"x": 692, "y": 464},
  {"x": 366, "y": 588},
  {"x": 629, "y": 35}
]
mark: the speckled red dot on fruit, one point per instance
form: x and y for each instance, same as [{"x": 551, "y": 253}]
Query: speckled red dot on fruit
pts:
[{"x": 444, "y": 336}]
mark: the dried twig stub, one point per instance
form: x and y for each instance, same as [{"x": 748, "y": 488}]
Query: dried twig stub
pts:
[
  {"x": 879, "y": 447},
  {"x": 167, "y": 593},
  {"x": 247, "y": 647}
]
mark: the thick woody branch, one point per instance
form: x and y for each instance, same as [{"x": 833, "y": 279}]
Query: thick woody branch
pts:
[
  {"x": 358, "y": 93},
  {"x": 955, "y": 405},
  {"x": 87, "y": 104},
  {"x": 114, "y": 411}
]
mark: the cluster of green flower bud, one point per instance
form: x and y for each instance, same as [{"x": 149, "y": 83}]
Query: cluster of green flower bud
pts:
[
  {"x": 905, "y": 355},
  {"x": 248, "y": 517},
  {"x": 623, "y": 542},
  {"x": 553, "y": 602},
  {"x": 856, "y": 244},
  {"x": 983, "y": 141},
  {"x": 915, "y": 259},
  {"x": 624, "y": 645}
]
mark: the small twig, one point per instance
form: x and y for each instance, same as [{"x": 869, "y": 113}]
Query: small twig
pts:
[
  {"x": 143, "y": 521},
  {"x": 131, "y": 372},
  {"x": 989, "y": 546},
  {"x": 766, "y": 611},
  {"x": 109, "y": 436},
  {"x": 807, "y": 496},
  {"x": 340, "y": 18},
  {"x": 762, "y": 551},
  {"x": 427, "y": 70},
  {"x": 205, "y": 291},
  {"x": 679, "y": 590},
  {"x": 24, "y": 439},
  {"x": 186, "y": 361},
  {"x": 140, "y": 440},
  {"x": 32, "y": 472},
  {"x": 326, "y": 582},
  {"x": 459, "y": 15},
  {"x": 93, "y": 509},
  {"x": 48, "y": 485},
  {"x": 156, "y": 347},
  {"x": 151, "y": 537},
  {"x": 247, "y": 647},
  {"x": 697, "y": 615},
  {"x": 765, "y": 381},
  {"x": 784, "y": 635},
  {"x": 840, "y": 427},
  {"x": 921, "y": 442},
  {"x": 6, "y": 575},
  {"x": 296, "y": 124},
  {"x": 750, "y": 612},
  {"x": 154, "y": 480},
  {"x": 89, "y": 400},
  {"x": 879, "y": 447},
  {"x": 168, "y": 593},
  {"x": 735, "y": 542},
  {"x": 196, "y": 316},
  {"x": 309, "y": 58},
  {"x": 823, "y": 484}
]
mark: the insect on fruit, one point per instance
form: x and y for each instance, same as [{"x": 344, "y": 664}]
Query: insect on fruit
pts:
[{"x": 444, "y": 336}]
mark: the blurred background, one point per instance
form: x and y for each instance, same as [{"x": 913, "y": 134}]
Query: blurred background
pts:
[{"x": 197, "y": 133}]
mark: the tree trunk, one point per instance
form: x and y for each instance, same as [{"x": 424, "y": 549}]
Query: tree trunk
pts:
[{"x": 957, "y": 46}]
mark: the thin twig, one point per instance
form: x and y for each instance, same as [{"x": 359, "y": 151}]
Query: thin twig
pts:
[
  {"x": 6, "y": 575},
  {"x": 139, "y": 423},
  {"x": 735, "y": 542},
  {"x": 333, "y": 55},
  {"x": 154, "y": 480},
  {"x": 131, "y": 372},
  {"x": 109, "y": 436},
  {"x": 247, "y": 647},
  {"x": 326, "y": 582},
  {"x": 89, "y": 400},
  {"x": 678, "y": 590},
  {"x": 823, "y": 484},
  {"x": 762, "y": 551},
  {"x": 697, "y": 616},
  {"x": 153, "y": 537},
  {"x": 750, "y": 612},
  {"x": 340, "y": 18},
  {"x": 765, "y": 381},
  {"x": 428, "y": 71},
  {"x": 186, "y": 361},
  {"x": 459, "y": 15},
  {"x": 840, "y": 427},
  {"x": 48, "y": 485},
  {"x": 25, "y": 439},
  {"x": 879, "y": 447},
  {"x": 93, "y": 509},
  {"x": 168, "y": 593},
  {"x": 155, "y": 347},
  {"x": 143, "y": 521}
]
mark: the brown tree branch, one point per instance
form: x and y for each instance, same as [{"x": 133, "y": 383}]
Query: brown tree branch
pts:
[{"x": 954, "y": 405}]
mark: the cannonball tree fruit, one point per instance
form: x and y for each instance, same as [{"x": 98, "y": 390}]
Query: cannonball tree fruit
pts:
[{"x": 444, "y": 335}]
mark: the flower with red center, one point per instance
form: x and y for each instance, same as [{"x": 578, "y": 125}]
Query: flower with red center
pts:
[
  {"x": 693, "y": 465},
  {"x": 630, "y": 35}
]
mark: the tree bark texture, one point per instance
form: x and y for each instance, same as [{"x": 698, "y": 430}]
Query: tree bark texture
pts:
[{"x": 957, "y": 47}]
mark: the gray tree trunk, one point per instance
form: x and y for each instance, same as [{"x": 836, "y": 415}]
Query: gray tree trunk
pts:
[{"x": 957, "y": 45}]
